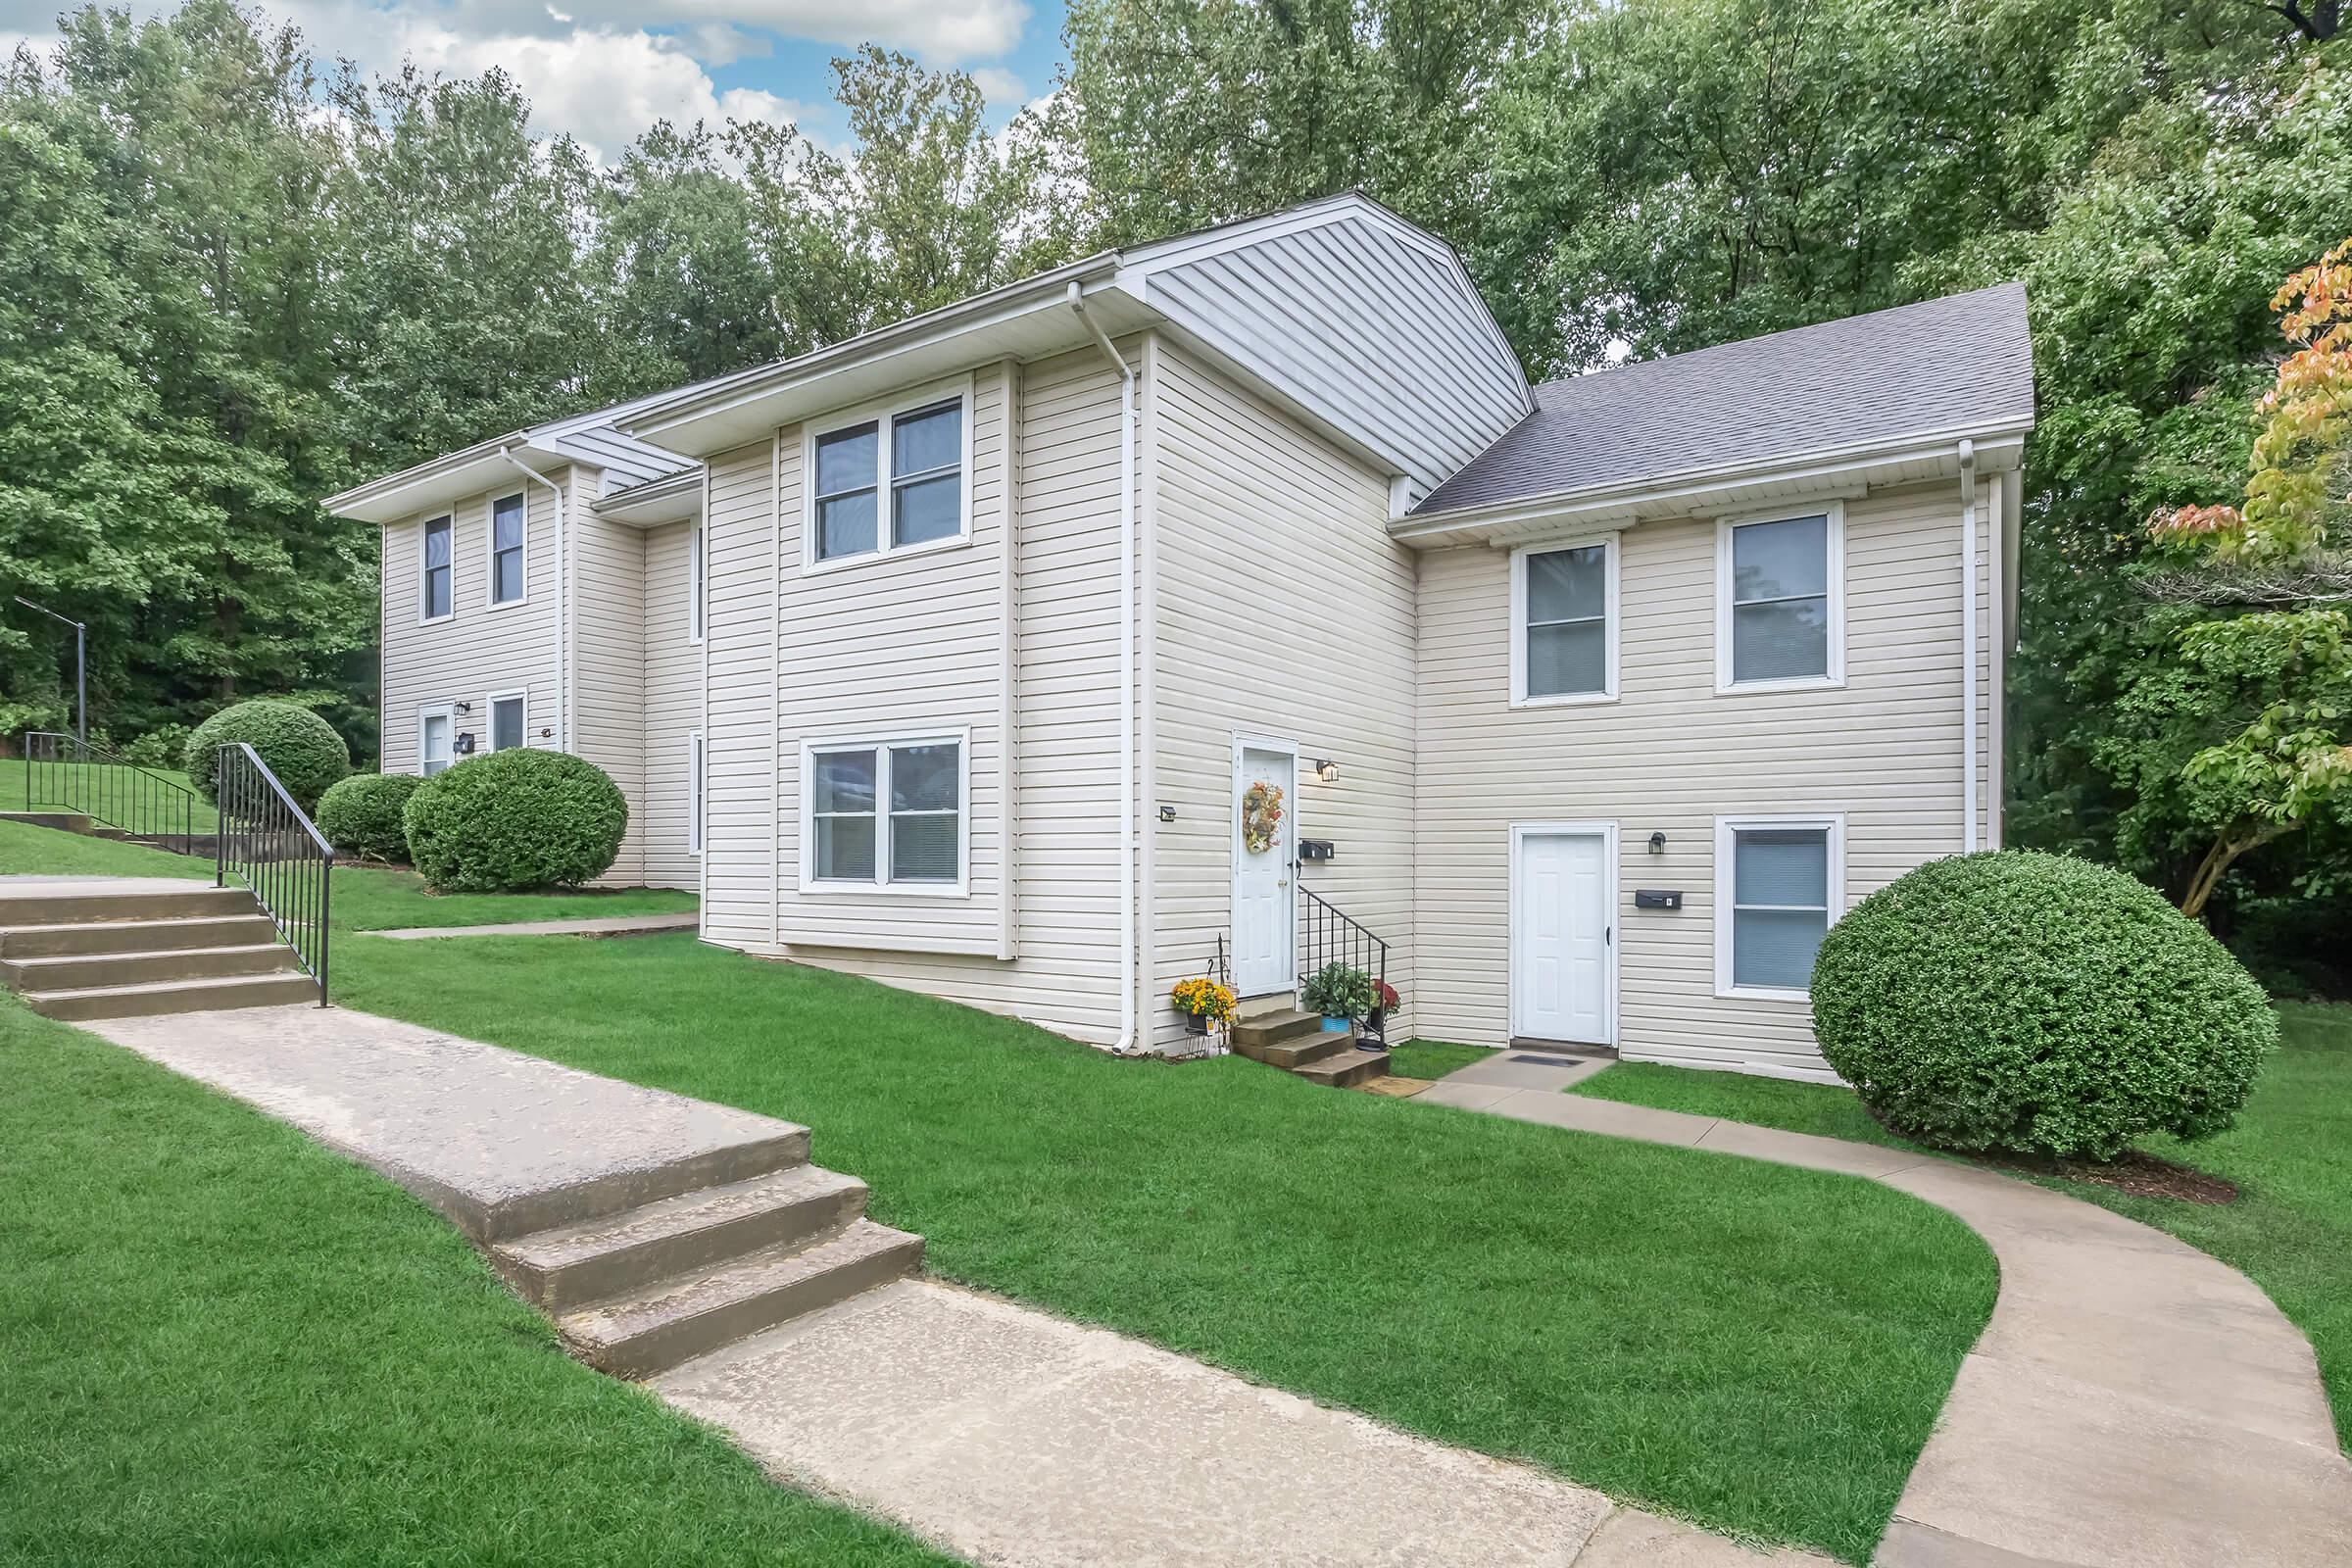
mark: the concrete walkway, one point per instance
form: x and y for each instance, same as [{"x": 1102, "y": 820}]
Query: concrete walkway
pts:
[
  {"x": 2132, "y": 1402},
  {"x": 1008, "y": 1435},
  {"x": 603, "y": 925}
]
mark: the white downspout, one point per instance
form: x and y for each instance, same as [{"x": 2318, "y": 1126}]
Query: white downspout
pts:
[
  {"x": 563, "y": 626},
  {"x": 1127, "y": 810},
  {"x": 1967, "y": 647}
]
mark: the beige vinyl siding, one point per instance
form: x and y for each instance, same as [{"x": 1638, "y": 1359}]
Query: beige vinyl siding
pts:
[
  {"x": 477, "y": 650},
  {"x": 918, "y": 645},
  {"x": 672, "y": 678},
  {"x": 1670, "y": 756},
  {"x": 739, "y": 684},
  {"x": 608, "y": 667},
  {"x": 1284, "y": 612}
]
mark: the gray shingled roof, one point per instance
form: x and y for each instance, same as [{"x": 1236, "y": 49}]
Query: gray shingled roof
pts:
[{"x": 1943, "y": 365}]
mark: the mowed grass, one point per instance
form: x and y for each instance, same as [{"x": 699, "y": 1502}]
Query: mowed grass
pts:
[
  {"x": 1760, "y": 1349},
  {"x": 225, "y": 1344},
  {"x": 2291, "y": 1154},
  {"x": 99, "y": 783},
  {"x": 365, "y": 898},
  {"x": 1433, "y": 1058}
]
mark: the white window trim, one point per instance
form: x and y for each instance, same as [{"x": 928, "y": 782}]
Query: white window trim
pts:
[
  {"x": 961, "y": 888},
  {"x": 696, "y": 577},
  {"x": 424, "y": 595},
  {"x": 957, "y": 389},
  {"x": 1608, "y": 691},
  {"x": 1606, "y": 832},
  {"x": 490, "y": 598},
  {"x": 697, "y": 766},
  {"x": 446, "y": 713},
  {"x": 1724, "y": 826},
  {"x": 1835, "y": 510},
  {"x": 490, "y": 710}
]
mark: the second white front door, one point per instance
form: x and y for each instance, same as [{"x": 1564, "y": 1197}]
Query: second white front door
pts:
[
  {"x": 1561, "y": 963},
  {"x": 1264, "y": 913}
]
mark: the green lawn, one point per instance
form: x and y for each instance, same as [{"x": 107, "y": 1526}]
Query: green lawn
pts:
[
  {"x": 1433, "y": 1058},
  {"x": 225, "y": 1344},
  {"x": 1757, "y": 1349},
  {"x": 2291, "y": 1154},
  {"x": 366, "y": 897},
  {"x": 99, "y": 783}
]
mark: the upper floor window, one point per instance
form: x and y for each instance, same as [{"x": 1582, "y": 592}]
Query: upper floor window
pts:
[
  {"x": 1778, "y": 884},
  {"x": 506, "y": 550},
  {"x": 885, "y": 814},
  {"x": 896, "y": 480},
  {"x": 433, "y": 589},
  {"x": 1565, "y": 624},
  {"x": 1780, "y": 616}
]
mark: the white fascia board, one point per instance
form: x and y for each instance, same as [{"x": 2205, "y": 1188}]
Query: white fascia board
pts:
[
  {"x": 432, "y": 486},
  {"x": 1830, "y": 471}
]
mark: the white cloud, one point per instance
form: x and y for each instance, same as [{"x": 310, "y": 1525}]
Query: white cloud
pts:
[{"x": 1000, "y": 87}]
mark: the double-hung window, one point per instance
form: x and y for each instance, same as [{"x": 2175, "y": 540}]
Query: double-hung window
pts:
[
  {"x": 1779, "y": 882},
  {"x": 1565, "y": 624},
  {"x": 1781, "y": 603},
  {"x": 506, "y": 551},
  {"x": 885, "y": 813},
  {"x": 889, "y": 481},
  {"x": 507, "y": 718},
  {"x": 433, "y": 602}
]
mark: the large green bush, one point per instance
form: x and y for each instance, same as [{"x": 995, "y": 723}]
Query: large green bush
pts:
[
  {"x": 2036, "y": 1005},
  {"x": 301, "y": 749},
  {"x": 362, "y": 814},
  {"x": 513, "y": 819}
]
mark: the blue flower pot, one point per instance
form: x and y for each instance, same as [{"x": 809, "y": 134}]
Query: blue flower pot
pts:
[{"x": 1334, "y": 1026}]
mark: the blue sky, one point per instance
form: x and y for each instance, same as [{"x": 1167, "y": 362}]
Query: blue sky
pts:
[{"x": 604, "y": 69}]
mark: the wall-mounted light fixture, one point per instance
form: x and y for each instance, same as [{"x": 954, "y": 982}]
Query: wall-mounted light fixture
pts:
[
  {"x": 465, "y": 708},
  {"x": 1167, "y": 814},
  {"x": 1327, "y": 771},
  {"x": 547, "y": 734},
  {"x": 1657, "y": 843}
]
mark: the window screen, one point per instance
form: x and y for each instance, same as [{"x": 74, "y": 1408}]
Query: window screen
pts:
[{"x": 1781, "y": 600}]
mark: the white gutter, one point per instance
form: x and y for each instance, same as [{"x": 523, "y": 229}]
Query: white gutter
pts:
[
  {"x": 1127, "y": 808},
  {"x": 563, "y": 605},
  {"x": 1967, "y": 647}
]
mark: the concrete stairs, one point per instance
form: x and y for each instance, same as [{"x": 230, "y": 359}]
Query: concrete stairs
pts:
[
  {"x": 636, "y": 1287},
  {"x": 1278, "y": 1034},
  {"x": 88, "y": 950}
]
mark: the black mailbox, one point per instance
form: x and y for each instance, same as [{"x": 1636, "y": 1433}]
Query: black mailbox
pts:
[
  {"x": 1657, "y": 898},
  {"x": 463, "y": 745},
  {"x": 1314, "y": 849}
]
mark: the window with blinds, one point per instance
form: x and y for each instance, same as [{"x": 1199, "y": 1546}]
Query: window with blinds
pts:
[
  {"x": 1777, "y": 890},
  {"x": 885, "y": 813}
]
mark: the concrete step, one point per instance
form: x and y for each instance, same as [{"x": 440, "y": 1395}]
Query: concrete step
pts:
[
  {"x": 1293, "y": 1055},
  {"x": 1273, "y": 1028},
  {"x": 95, "y": 970},
  {"x": 137, "y": 936},
  {"x": 80, "y": 908},
  {"x": 656, "y": 1329},
  {"x": 1346, "y": 1070},
  {"x": 560, "y": 1269},
  {"x": 174, "y": 996}
]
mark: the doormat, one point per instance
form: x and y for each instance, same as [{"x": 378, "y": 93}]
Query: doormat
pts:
[{"x": 1548, "y": 1061}]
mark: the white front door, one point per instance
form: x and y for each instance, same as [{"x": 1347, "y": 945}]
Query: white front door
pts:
[
  {"x": 1561, "y": 961},
  {"x": 1265, "y": 945}
]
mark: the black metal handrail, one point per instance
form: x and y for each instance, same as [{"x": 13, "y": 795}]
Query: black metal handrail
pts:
[
  {"x": 93, "y": 782},
  {"x": 271, "y": 846},
  {"x": 1327, "y": 936}
]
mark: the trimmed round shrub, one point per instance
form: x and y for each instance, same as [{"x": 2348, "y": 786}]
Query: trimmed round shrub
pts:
[
  {"x": 362, "y": 815},
  {"x": 515, "y": 819},
  {"x": 2035, "y": 1005},
  {"x": 301, "y": 749}
]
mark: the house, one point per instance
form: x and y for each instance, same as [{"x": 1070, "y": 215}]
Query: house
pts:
[{"x": 949, "y": 655}]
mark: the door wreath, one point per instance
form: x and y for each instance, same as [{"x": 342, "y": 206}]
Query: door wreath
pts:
[{"x": 1261, "y": 815}]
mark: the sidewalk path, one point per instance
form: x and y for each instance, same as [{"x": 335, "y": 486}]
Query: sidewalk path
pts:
[
  {"x": 601, "y": 925},
  {"x": 1008, "y": 1435},
  {"x": 2133, "y": 1402}
]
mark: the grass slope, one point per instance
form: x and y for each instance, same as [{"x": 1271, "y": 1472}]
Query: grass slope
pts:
[
  {"x": 366, "y": 897},
  {"x": 2290, "y": 1154},
  {"x": 1757, "y": 1349},
  {"x": 225, "y": 1345},
  {"x": 101, "y": 783}
]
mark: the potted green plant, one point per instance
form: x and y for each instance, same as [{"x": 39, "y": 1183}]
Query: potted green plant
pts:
[{"x": 1341, "y": 993}]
